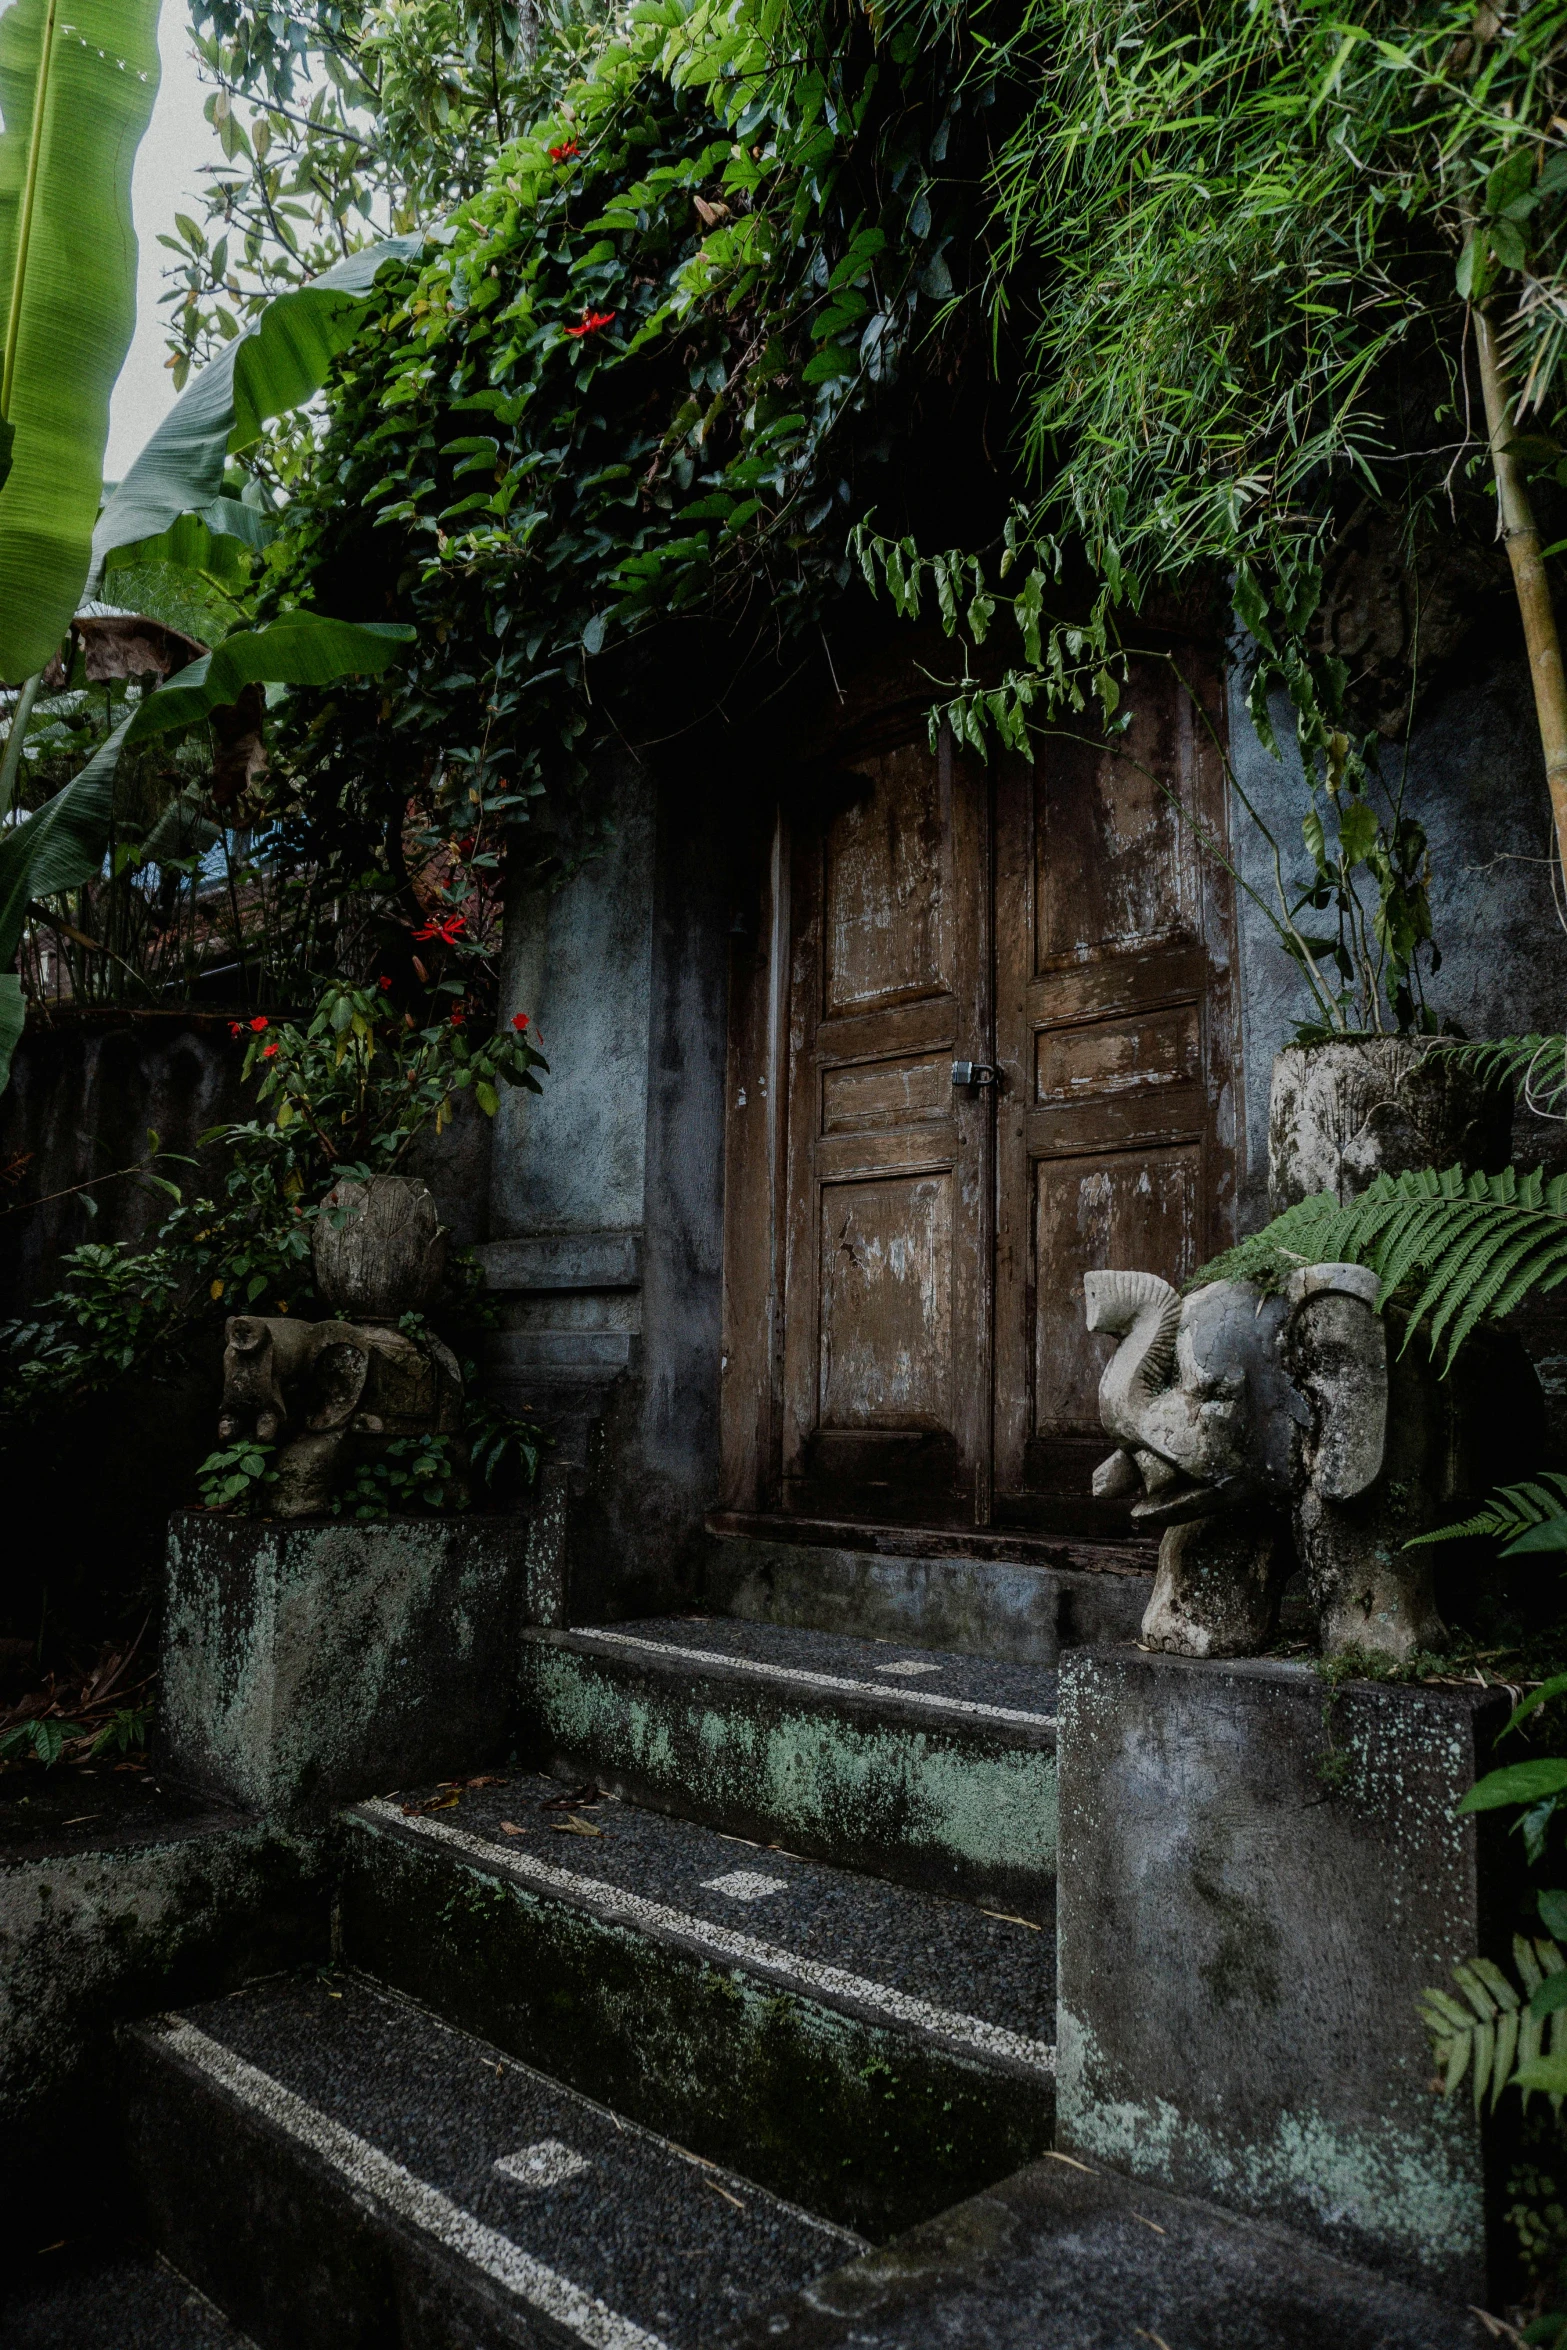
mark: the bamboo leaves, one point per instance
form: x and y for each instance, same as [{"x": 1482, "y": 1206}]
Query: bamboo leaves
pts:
[{"x": 76, "y": 91}]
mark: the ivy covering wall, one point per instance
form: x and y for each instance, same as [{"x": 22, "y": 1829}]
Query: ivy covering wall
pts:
[{"x": 1222, "y": 262}]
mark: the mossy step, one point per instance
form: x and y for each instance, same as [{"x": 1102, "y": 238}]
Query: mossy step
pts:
[
  {"x": 933, "y": 1769},
  {"x": 335, "y": 2165},
  {"x": 868, "y": 2050},
  {"x": 1067, "y": 2257}
]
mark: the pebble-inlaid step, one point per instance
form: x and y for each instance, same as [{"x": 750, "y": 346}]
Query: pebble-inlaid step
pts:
[
  {"x": 114, "y": 2296},
  {"x": 1064, "y": 2257},
  {"x": 933, "y": 1769},
  {"x": 336, "y": 2167},
  {"x": 870, "y": 2051}
]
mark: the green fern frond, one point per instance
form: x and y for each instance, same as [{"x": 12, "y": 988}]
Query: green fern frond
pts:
[
  {"x": 1535, "y": 1066},
  {"x": 1492, "y": 2029},
  {"x": 1510, "y": 1511},
  {"x": 1476, "y": 1244}
]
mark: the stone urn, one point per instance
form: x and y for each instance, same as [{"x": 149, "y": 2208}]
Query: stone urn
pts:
[
  {"x": 379, "y": 1248},
  {"x": 1344, "y": 1112}
]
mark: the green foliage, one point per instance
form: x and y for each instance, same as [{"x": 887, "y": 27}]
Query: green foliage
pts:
[
  {"x": 236, "y": 1477},
  {"x": 76, "y": 90},
  {"x": 1535, "y": 1067},
  {"x": 355, "y": 1087},
  {"x": 410, "y": 1474},
  {"x": 1465, "y": 1245},
  {"x": 46, "y": 1740},
  {"x": 278, "y": 364},
  {"x": 623, "y": 389},
  {"x": 298, "y": 648},
  {"x": 1496, "y": 2030},
  {"x": 1532, "y": 1516}
]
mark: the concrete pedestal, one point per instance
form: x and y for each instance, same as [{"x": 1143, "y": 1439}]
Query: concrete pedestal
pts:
[
  {"x": 308, "y": 1664},
  {"x": 1259, "y": 1876}
]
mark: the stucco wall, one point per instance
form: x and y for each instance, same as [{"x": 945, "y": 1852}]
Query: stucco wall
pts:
[
  {"x": 1476, "y": 781},
  {"x": 606, "y": 1191}
]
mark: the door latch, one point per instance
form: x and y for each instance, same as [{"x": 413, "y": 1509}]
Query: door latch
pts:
[{"x": 973, "y": 1074}]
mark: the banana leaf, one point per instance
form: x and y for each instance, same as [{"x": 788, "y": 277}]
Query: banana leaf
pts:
[
  {"x": 58, "y": 848},
  {"x": 278, "y": 363},
  {"x": 300, "y": 648},
  {"x": 77, "y": 85}
]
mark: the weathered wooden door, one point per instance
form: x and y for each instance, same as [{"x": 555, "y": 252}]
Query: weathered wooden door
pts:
[
  {"x": 887, "y": 1287},
  {"x": 1113, "y": 1039},
  {"x": 905, "y": 1339}
]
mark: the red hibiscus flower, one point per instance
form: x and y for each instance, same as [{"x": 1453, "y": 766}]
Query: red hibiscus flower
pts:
[
  {"x": 519, "y": 1021},
  {"x": 565, "y": 154},
  {"x": 268, "y": 1051},
  {"x": 592, "y": 320},
  {"x": 459, "y": 1019},
  {"x": 383, "y": 981},
  {"x": 260, "y": 1022},
  {"x": 236, "y": 1028}
]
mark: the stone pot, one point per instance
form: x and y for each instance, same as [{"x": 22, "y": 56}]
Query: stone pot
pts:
[
  {"x": 1344, "y": 1112},
  {"x": 387, "y": 1254}
]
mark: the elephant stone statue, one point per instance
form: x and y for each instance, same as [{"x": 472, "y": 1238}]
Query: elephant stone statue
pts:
[
  {"x": 331, "y": 1393},
  {"x": 1264, "y": 1430}
]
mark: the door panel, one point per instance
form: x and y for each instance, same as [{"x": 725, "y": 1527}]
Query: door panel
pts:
[
  {"x": 1112, "y": 1016},
  {"x": 887, "y": 1290}
]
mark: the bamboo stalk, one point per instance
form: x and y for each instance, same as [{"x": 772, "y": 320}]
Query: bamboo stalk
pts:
[{"x": 1533, "y": 588}]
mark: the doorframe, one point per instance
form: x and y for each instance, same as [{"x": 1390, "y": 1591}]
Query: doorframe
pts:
[{"x": 756, "y": 1135}]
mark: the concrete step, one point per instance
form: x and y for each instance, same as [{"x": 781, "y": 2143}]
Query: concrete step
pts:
[
  {"x": 111, "y": 2296},
  {"x": 933, "y": 1769},
  {"x": 872, "y": 2052},
  {"x": 340, "y": 2170},
  {"x": 1018, "y": 1597},
  {"x": 1063, "y": 2257}
]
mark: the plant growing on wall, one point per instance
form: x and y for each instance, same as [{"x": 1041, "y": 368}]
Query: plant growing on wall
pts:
[
  {"x": 352, "y": 1090},
  {"x": 1260, "y": 251}
]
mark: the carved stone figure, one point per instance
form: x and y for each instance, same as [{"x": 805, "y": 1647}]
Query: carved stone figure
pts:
[
  {"x": 330, "y": 1393},
  {"x": 1245, "y": 1419}
]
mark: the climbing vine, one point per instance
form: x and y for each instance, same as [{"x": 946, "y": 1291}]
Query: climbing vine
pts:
[
  {"x": 639, "y": 375},
  {"x": 1231, "y": 257}
]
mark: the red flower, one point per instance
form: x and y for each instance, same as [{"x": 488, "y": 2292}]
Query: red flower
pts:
[
  {"x": 519, "y": 1021},
  {"x": 458, "y": 1018},
  {"x": 268, "y": 1051},
  {"x": 260, "y": 1022},
  {"x": 565, "y": 154},
  {"x": 236, "y": 1028},
  {"x": 592, "y": 320},
  {"x": 383, "y": 981},
  {"x": 446, "y": 929}
]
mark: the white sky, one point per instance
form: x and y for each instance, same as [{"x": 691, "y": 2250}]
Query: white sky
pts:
[{"x": 168, "y": 180}]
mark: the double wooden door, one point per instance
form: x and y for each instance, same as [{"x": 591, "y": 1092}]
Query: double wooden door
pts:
[{"x": 905, "y": 1340}]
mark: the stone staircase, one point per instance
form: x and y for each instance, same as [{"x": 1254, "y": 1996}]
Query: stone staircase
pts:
[{"x": 749, "y": 1968}]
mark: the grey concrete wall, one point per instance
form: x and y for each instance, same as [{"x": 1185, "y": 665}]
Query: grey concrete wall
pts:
[
  {"x": 573, "y": 1158},
  {"x": 1475, "y": 779},
  {"x": 607, "y": 1189}
]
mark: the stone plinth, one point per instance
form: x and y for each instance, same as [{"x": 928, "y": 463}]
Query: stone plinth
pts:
[
  {"x": 1259, "y": 1876},
  {"x": 308, "y": 1663}
]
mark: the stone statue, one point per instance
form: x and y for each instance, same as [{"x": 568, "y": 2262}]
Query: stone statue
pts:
[
  {"x": 1264, "y": 1430},
  {"x": 333, "y": 1393}
]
